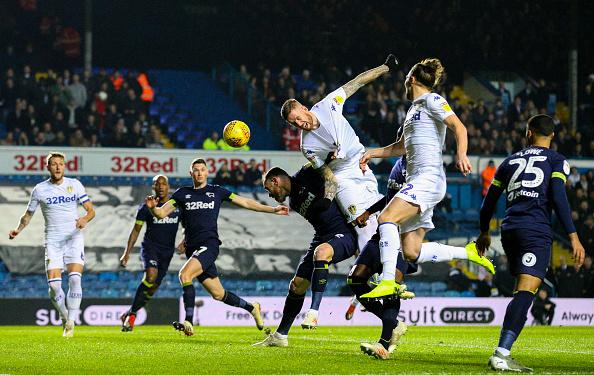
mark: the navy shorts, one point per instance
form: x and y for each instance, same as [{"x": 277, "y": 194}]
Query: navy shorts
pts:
[
  {"x": 156, "y": 257},
  {"x": 344, "y": 246},
  {"x": 370, "y": 257},
  {"x": 206, "y": 253},
  {"x": 527, "y": 251}
]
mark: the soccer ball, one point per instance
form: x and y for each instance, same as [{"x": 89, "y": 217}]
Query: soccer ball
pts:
[{"x": 236, "y": 133}]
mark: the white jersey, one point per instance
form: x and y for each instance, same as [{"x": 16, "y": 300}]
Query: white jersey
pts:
[
  {"x": 334, "y": 134},
  {"x": 424, "y": 134},
  {"x": 59, "y": 205}
]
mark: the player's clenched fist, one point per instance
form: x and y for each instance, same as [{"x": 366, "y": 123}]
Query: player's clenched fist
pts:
[
  {"x": 12, "y": 234},
  {"x": 151, "y": 201}
]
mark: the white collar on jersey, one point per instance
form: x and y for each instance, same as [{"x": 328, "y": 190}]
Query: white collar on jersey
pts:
[{"x": 421, "y": 98}]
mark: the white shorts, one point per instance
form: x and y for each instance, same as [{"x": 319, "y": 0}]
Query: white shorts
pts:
[
  {"x": 356, "y": 192},
  {"x": 426, "y": 191},
  {"x": 60, "y": 253}
]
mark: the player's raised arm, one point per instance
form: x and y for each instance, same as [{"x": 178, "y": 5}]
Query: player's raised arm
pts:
[
  {"x": 254, "y": 205},
  {"x": 370, "y": 75},
  {"x": 134, "y": 233},
  {"x": 462, "y": 161},
  {"x": 394, "y": 149},
  {"x": 81, "y": 222},
  {"x": 159, "y": 212},
  {"x": 23, "y": 222}
]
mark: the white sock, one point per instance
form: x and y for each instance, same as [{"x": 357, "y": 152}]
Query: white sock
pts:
[
  {"x": 364, "y": 234},
  {"x": 435, "y": 252},
  {"x": 503, "y": 351},
  {"x": 389, "y": 249},
  {"x": 57, "y": 296},
  {"x": 74, "y": 295}
]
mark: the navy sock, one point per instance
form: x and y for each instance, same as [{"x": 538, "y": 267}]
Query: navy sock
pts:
[
  {"x": 293, "y": 305},
  {"x": 189, "y": 301},
  {"x": 141, "y": 297},
  {"x": 389, "y": 320},
  {"x": 359, "y": 287},
  {"x": 319, "y": 279},
  {"x": 232, "y": 299},
  {"x": 515, "y": 318}
]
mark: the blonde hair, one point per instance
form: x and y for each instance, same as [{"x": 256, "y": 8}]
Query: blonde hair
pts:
[
  {"x": 429, "y": 72},
  {"x": 53, "y": 154}
]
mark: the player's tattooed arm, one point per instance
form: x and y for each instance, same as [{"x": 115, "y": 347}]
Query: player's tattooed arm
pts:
[
  {"x": 364, "y": 78},
  {"x": 330, "y": 182},
  {"x": 23, "y": 222}
]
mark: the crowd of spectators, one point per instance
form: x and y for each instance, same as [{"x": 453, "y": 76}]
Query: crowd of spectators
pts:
[
  {"x": 50, "y": 108},
  {"x": 243, "y": 177},
  {"x": 580, "y": 191},
  {"x": 564, "y": 281},
  {"x": 494, "y": 128}
]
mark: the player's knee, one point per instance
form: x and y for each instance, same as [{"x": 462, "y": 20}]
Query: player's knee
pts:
[
  {"x": 218, "y": 295},
  {"x": 184, "y": 277},
  {"x": 298, "y": 286},
  {"x": 359, "y": 271},
  {"x": 151, "y": 278},
  {"x": 411, "y": 253},
  {"x": 324, "y": 252}
]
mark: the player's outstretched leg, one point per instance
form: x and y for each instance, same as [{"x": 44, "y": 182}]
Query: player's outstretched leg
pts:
[
  {"x": 435, "y": 252},
  {"x": 215, "y": 288}
]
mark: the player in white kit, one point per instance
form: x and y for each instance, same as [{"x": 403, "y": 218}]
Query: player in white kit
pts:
[
  {"x": 328, "y": 138},
  {"x": 411, "y": 209},
  {"x": 59, "y": 197}
]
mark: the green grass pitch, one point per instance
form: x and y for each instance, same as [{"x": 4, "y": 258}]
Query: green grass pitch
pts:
[{"x": 327, "y": 350}]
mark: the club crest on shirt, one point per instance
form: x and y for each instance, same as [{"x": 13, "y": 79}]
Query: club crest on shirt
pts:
[
  {"x": 70, "y": 189},
  {"x": 209, "y": 194},
  {"x": 352, "y": 209},
  {"x": 339, "y": 99}
]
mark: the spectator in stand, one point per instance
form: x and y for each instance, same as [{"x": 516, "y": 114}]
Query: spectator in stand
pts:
[
  {"x": 574, "y": 176},
  {"x": 503, "y": 280},
  {"x": 587, "y": 235},
  {"x": 78, "y": 92},
  {"x": 588, "y": 278},
  {"x": 9, "y": 140},
  {"x": 135, "y": 137},
  {"x": 457, "y": 280},
  {"x": 212, "y": 142},
  {"x": 224, "y": 177},
  {"x": 77, "y": 139},
  {"x": 239, "y": 174},
  {"x": 291, "y": 138},
  {"x": 565, "y": 279},
  {"x": 253, "y": 178},
  {"x": 504, "y": 95},
  {"x": 543, "y": 309},
  {"x": 155, "y": 135},
  {"x": 487, "y": 176},
  {"x": 119, "y": 137}
]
